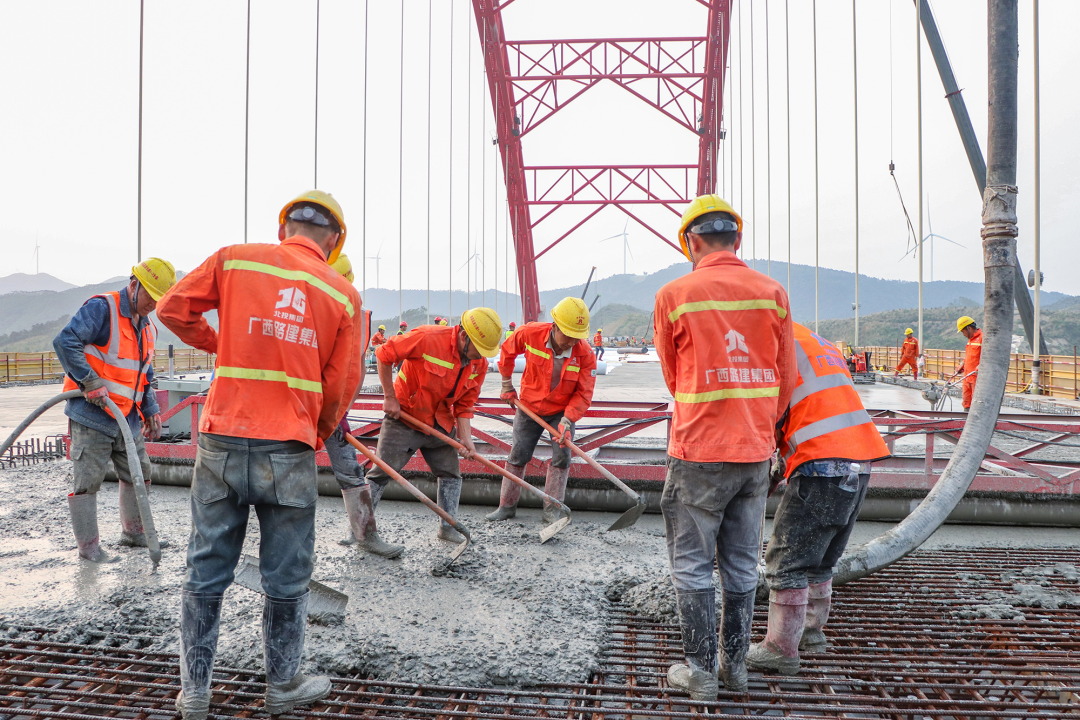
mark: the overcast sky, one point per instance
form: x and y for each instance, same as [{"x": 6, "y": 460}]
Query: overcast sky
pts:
[{"x": 69, "y": 136}]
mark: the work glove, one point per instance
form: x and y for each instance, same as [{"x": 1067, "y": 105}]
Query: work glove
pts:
[
  {"x": 566, "y": 432},
  {"x": 509, "y": 394},
  {"x": 152, "y": 427},
  {"x": 776, "y": 473},
  {"x": 95, "y": 392}
]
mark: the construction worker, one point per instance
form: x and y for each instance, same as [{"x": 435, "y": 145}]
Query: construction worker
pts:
[
  {"x": 107, "y": 350},
  {"x": 723, "y": 334},
  {"x": 909, "y": 353},
  {"x": 598, "y": 344},
  {"x": 972, "y": 354},
  {"x": 513, "y": 327},
  {"x": 288, "y": 365},
  {"x": 379, "y": 337},
  {"x": 557, "y": 384},
  {"x": 442, "y": 369},
  {"x": 826, "y": 443},
  {"x": 403, "y": 327},
  {"x": 443, "y": 321}
]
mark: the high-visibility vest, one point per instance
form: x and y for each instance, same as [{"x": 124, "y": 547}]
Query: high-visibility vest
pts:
[
  {"x": 118, "y": 362},
  {"x": 570, "y": 393},
  {"x": 826, "y": 419}
]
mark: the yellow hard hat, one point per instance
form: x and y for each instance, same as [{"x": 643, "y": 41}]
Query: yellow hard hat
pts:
[
  {"x": 571, "y": 316},
  {"x": 344, "y": 267},
  {"x": 382, "y": 327},
  {"x": 325, "y": 200},
  {"x": 155, "y": 275},
  {"x": 963, "y": 322},
  {"x": 909, "y": 331},
  {"x": 700, "y": 206},
  {"x": 484, "y": 328},
  {"x": 600, "y": 330}
]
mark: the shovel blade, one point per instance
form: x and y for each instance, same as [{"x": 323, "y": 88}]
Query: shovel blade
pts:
[
  {"x": 549, "y": 531},
  {"x": 325, "y": 605},
  {"x": 443, "y": 565},
  {"x": 629, "y": 517}
]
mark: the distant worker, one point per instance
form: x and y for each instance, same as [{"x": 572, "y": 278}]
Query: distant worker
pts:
[
  {"x": 557, "y": 384},
  {"x": 972, "y": 355},
  {"x": 379, "y": 337},
  {"x": 723, "y": 334},
  {"x": 513, "y": 327},
  {"x": 598, "y": 344},
  {"x": 443, "y": 321},
  {"x": 909, "y": 353},
  {"x": 442, "y": 369},
  {"x": 107, "y": 350},
  {"x": 826, "y": 444},
  {"x": 403, "y": 327},
  {"x": 288, "y": 365}
]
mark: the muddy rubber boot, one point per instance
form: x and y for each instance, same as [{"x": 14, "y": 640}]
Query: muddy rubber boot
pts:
[
  {"x": 509, "y": 494},
  {"x": 449, "y": 494},
  {"x": 362, "y": 522},
  {"x": 283, "y": 627},
  {"x": 131, "y": 526},
  {"x": 84, "y": 523},
  {"x": 819, "y": 601},
  {"x": 697, "y": 618},
  {"x": 199, "y": 619},
  {"x": 555, "y": 486},
  {"x": 779, "y": 650},
  {"x": 376, "y": 493},
  {"x": 735, "y": 638}
]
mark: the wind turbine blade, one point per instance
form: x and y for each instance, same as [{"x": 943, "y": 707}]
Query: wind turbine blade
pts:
[
  {"x": 628, "y": 248},
  {"x": 612, "y": 237},
  {"x": 942, "y": 237}
]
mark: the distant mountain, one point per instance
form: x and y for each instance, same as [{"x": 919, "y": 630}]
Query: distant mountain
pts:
[{"x": 21, "y": 282}]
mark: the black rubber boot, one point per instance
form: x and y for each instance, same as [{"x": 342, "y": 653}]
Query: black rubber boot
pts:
[
  {"x": 199, "y": 618},
  {"x": 283, "y": 627},
  {"x": 738, "y": 612},
  {"x": 697, "y": 618},
  {"x": 83, "y": 509}
]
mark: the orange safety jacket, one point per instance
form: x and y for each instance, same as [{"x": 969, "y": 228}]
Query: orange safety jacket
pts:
[
  {"x": 910, "y": 349},
  {"x": 573, "y": 392},
  {"x": 972, "y": 356},
  {"x": 723, "y": 334},
  {"x": 378, "y": 339},
  {"x": 598, "y": 340},
  {"x": 118, "y": 362},
  {"x": 433, "y": 385},
  {"x": 826, "y": 419},
  {"x": 287, "y": 344}
]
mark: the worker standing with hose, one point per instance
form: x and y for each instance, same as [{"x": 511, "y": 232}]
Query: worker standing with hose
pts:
[
  {"x": 827, "y": 442},
  {"x": 107, "y": 350},
  {"x": 442, "y": 369},
  {"x": 909, "y": 353},
  {"x": 972, "y": 354},
  {"x": 557, "y": 384},
  {"x": 288, "y": 365},
  {"x": 723, "y": 334}
]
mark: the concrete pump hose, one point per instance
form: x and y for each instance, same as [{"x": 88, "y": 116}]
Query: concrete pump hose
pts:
[{"x": 35, "y": 415}]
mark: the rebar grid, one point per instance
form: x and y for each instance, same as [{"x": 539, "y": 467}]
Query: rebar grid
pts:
[{"x": 899, "y": 648}]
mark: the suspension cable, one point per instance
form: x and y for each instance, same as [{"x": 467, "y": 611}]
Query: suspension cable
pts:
[
  {"x": 817, "y": 183},
  {"x": 428, "y": 214},
  {"x": 753, "y": 140},
  {"x": 919, "y": 142},
  {"x": 787, "y": 109},
  {"x": 363, "y": 217},
  {"x": 450, "y": 173},
  {"x": 138, "y": 203},
  {"x": 247, "y": 115},
  {"x": 470, "y": 255},
  {"x": 768, "y": 145},
  {"x": 855, "y": 84},
  {"x": 401, "y": 169},
  {"x": 318, "y": 13}
]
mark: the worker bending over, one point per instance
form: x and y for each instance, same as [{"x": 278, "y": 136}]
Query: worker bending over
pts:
[
  {"x": 107, "y": 350},
  {"x": 723, "y": 334},
  {"x": 909, "y": 354},
  {"x": 557, "y": 384},
  {"x": 972, "y": 355},
  {"x": 288, "y": 365},
  {"x": 826, "y": 444},
  {"x": 442, "y": 369}
]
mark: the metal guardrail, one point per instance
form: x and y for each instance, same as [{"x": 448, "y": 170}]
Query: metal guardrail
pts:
[{"x": 38, "y": 367}]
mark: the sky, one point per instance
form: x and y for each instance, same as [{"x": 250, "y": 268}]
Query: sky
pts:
[{"x": 398, "y": 127}]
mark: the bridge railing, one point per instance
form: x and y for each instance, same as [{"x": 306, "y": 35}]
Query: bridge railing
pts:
[{"x": 39, "y": 367}]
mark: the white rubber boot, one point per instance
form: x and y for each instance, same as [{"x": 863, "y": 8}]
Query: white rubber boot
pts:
[{"x": 362, "y": 522}]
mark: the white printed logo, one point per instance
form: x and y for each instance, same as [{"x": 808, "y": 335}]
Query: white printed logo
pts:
[
  {"x": 292, "y": 297},
  {"x": 736, "y": 342}
]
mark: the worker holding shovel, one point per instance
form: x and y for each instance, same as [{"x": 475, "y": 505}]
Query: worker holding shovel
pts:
[{"x": 558, "y": 384}]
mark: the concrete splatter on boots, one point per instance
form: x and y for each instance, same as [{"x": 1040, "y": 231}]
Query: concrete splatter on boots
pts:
[
  {"x": 449, "y": 494},
  {"x": 737, "y": 614},
  {"x": 779, "y": 650},
  {"x": 283, "y": 627},
  {"x": 83, "y": 509},
  {"x": 132, "y": 534},
  {"x": 199, "y": 618},
  {"x": 697, "y": 618},
  {"x": 362, "y": 523},
  {"x": 509, "y": 494},
  {"x": 819, "y": 602},
  {"x": 555, "y": 486}
]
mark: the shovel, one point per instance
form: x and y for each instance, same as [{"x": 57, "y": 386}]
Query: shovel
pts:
[
  {"x": 326, "y": 606},
  {"x": 442, "y": 566},
  {"x": 629, "y": 517},
  {"x": 549, "y": 531}
]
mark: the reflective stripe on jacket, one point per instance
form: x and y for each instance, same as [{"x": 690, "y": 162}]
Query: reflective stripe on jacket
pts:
[
  {"x": 432, "y": 385},
  {"x": 573, "y": 392},
  {"x": 826, "y": 419},
  {"x": 288, "y": 343},
  {"x": 910, "y": 349},
  {"x": 723, "y": 334},
  {"x": 119, "y": 362},
  {"x": 972, "y": 355}
]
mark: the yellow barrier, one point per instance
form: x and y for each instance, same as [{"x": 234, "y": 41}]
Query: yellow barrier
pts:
[{"x": 29, "y": 367}]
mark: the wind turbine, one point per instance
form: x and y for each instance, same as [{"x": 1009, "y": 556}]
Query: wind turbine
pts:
[
  {"x": 37, "y": 257},
  {"x": 626, "y": 243},
  {"x": 475, "y": 256},
  {"x": 376, "y": 257},
  {"x": 930, "y": 237}
]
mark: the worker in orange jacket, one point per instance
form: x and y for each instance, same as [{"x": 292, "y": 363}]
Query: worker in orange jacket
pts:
[
  {"x": 557, "y": 384},
  {"x": 442, "y": 369},
  {"x": 972, "y": 355},
  {"x": 288, "y": 365},
  {"x": 826, "y": 442},
  {"x": 724, "y": 337},
  {"x": 598, "y": 344},
  {"x": 909, "y": 353}
]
